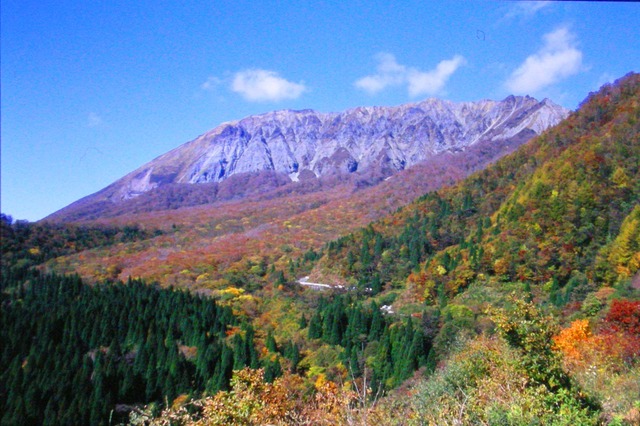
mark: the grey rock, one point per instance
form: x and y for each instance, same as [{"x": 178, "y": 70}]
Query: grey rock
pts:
[
  {"x": 359, "y": 139},
  {"x": 306, "y": 144}
]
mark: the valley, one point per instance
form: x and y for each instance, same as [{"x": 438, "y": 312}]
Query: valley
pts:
[{"x": 272, "y": 224}]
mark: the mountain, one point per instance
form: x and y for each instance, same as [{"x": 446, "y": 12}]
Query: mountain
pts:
[
  {"x": 561, "y": 214},
  {"x": 486, "y": 294},
  {"x": 277, "y": 148}
]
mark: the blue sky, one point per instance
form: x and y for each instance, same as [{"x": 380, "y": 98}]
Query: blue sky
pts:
[{"x": 91, "y": 90}]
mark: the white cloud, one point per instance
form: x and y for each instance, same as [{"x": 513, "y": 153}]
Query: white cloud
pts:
[
  {"x": 526, "y": 9},
  {"x": 556, "y": 60},
  {"x": 427, "y": 83},
  {"x": 259, "y": 85},
  {"x": 94, "y": 120},
  {"x": 390, "y": 73}
]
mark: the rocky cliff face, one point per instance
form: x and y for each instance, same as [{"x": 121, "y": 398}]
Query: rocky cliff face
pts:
[{"x": 308, "y": 144}]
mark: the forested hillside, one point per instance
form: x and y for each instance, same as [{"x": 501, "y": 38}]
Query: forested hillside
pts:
[
  {"x": 74, "y": 353},
  {"x": 551, "y": 213},
  {"x": 25, "y": 244},
  {"x": 95, "y": 353},
  {"x": 522, "y": 279},
  {"x": 556, "y": 223}
]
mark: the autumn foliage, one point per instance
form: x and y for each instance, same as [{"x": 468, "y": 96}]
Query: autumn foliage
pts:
[
  {"x": 624, "y": 316},
  {"x": 252, "y": 401},
  {"x": 424, "y": 313}
]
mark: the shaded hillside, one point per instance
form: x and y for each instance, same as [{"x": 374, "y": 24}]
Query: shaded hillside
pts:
[
  {"x": 141, "y": 344},
  {"x": 25, "y": 244}
]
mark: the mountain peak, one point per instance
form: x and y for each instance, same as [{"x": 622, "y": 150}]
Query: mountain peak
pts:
[{"x": 371, "y": 140}]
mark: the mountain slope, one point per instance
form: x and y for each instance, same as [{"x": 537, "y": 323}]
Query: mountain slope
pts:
[
  {"x": 207, "y": 240},
  {"x": 289, "y": 146},
  {"x": 556, "y": 223},
  {"x": 549, "y": 214}
]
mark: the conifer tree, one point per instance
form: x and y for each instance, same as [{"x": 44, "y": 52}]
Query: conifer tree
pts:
[
  {"x": 315, "y": 326},
  {"x": 270, "y": 343}
]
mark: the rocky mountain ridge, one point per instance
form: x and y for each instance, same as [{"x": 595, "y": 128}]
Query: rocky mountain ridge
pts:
[{"x": 303, "y": 145}]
